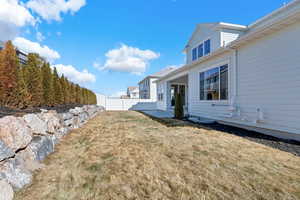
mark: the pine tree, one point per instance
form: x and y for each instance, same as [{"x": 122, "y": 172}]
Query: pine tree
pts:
[
  {"x": 178, "y": 110},
  {"x": 67, "y": 93},
  {"x": 23, "y": 96},
  {"x": 58, "y": 95},
  {"x": 63, "y": 89},
  {"x": 33, "y": 79},
  {"x": 73, "y": 93},
  {"x": 8, "y": 75},
  {"x": 47, "y": 82}
]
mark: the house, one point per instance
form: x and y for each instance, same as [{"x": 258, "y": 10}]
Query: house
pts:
[
  {"x": 244, "y": 76},
  {"x": 133, "y": 92},
  {"x": 148, "y": 87}
]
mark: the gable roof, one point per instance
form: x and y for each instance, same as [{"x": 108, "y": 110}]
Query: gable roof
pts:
[
  {"x": 160, "y": 74},
  {"x": 284, "y": 16},
  {"x": 215, "y": 26},
  {"x": 132, "y": 88}
]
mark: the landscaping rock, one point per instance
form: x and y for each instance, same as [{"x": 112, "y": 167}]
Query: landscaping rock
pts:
[
  {"x": 66, "y": 116},
  {"x": 52, "y": 120},
  {"x": 26, "y": 141},
  {"x": 5, "y": 152},
  {"x": 76, "y": 111},
  {"x": 15, "y": 173},
  {"x": 6, "y": 191},
  {"x": 69, "y": 123},
  {"x": 37, "y": 125},
  {"x": 39, "y": 148},
  {"x": 83, "y": 117},
  {"x": 14, "y": 132}
]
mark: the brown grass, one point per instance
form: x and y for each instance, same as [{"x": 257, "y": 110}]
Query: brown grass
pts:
[{"x": 126, "y": 155}]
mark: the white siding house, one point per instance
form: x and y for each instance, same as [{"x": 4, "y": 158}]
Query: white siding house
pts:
[
  {"x": 148, "y": 88},
  {"x": 250, "y": 78}
]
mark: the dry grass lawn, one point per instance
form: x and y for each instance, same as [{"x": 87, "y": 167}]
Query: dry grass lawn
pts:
[{"x": 126, "y": 155}]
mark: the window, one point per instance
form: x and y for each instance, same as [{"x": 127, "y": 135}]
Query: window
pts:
[
  {"x": 200, "y": 50},
  {"x": 214, "y": 84},
  {"x": 194, "y": 54},
  {"x": 160, "y": 97},
  {"x": 207, "y": 47}
]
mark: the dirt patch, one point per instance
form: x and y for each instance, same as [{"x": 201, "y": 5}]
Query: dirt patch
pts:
[{"x": 126, "y": 155}]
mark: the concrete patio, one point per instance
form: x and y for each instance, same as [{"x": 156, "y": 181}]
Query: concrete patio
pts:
[{"x": 159, "y": 113}]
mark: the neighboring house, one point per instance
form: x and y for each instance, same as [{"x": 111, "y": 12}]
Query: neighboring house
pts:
[
  {"x": 133, "y": 92},
  {"x": 245, "y": 76},
  {"x": 21, "y": 54},
  {"x": 147, "y": 86},
  {"x": 22, "y": 57}
]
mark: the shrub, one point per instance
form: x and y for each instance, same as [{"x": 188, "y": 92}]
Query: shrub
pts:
[{"x": 179, "y": 113}]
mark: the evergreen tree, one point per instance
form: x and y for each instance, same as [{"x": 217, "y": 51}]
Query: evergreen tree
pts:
[
  {"x": 47, "y": 82},
  {"x": 179, "y": 113},
  {"x": 33, "y": 79},
  {"x": 77, "y": 94},
  {"x": 67, "y": 91},
  {"x": 8, "y": 75},
  {"x": 58, "y": 95},
  {"x": 23, "y": 96}
]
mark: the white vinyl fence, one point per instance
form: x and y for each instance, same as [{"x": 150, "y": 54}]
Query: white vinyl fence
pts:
[{"x": 117, "y": 104}]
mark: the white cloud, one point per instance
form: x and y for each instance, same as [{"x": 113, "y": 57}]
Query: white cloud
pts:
[
  {"x": 127, "y": 59},
  {"x": 34, "y": 47},
  {"x": 40, "y": 37},
  {"x": 13, "y": 16},
  {"x": 12, "y": 12},
  {"x": 52, "y": 9},
  {"x": 75, "y": 75}
]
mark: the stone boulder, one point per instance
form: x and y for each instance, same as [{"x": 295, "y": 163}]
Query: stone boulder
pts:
[
  {"x": 15, "y": 173},
  {"x": 6, "y": 191},
  {"x": 66, "y": 116},
  {"x": 83, "y": 117},
  {"x": 52, "y": 120},
  {"x": 39, "y": 148},
  {"x": 5, "y": 152},
  {"x": 14, "y": 132},
  {"x": 76, "y": 111},
  {"x": 37, "y": 125}
]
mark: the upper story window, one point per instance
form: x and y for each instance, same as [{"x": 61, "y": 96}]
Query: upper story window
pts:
[
  {"x": 214, "y": 84},
  {"x": 201, "y": 50},
  {"x": 194, "y": 54},
  {"x": 207, "y": 47}
]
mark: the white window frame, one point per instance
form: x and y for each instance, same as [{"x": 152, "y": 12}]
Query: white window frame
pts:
[
  {"x": 220, "y": 64},
  {"x": 196, "y": 47}
]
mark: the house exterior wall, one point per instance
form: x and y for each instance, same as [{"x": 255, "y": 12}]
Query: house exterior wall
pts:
[
  {"x": 206, "y": 108},
  {"x": 267, "y": 78},
  {"x": 162, "y": 88},
  {"x": 200, "y": 36},
  {"x": 228, "y": 36},
  {"x": 144, "y": 88},
  {"x": 153, "y": 88},
  {"x": 148, "y": 88}
]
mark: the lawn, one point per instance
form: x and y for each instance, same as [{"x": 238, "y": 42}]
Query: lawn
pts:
[{"x": 126, "y": 155}]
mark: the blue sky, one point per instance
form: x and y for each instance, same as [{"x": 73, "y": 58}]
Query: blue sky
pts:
[{"x": 82, "y": 32}]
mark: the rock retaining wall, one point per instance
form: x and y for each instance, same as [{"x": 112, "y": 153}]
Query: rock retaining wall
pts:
[{"x": 28, "y": 140}]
